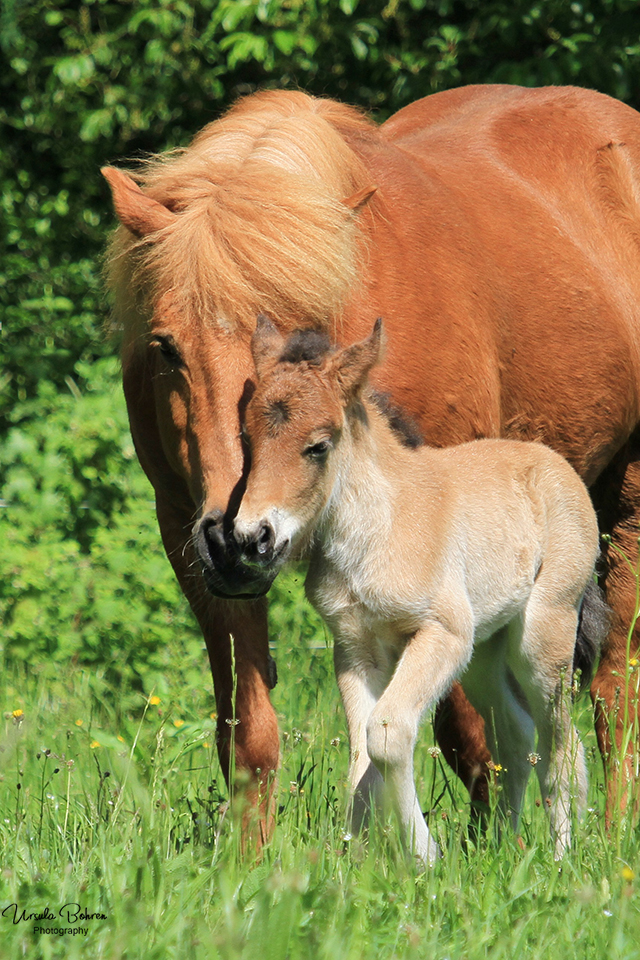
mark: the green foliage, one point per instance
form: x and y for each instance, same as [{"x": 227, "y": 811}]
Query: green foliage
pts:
[{"x": 82, "y": 573}]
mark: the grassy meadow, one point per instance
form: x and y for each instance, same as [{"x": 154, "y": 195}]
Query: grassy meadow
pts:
[{"x": 112, "y": 800}]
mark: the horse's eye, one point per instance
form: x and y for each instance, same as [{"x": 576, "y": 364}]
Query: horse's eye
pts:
[
  {"x": 168, "y": 349},
  {"x": 319, "y": 450}
]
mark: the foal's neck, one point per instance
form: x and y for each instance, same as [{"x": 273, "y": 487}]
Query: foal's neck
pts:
[{"x": 370, "y": 462}]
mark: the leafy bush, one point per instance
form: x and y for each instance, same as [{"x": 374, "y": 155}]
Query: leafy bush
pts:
[{"x": 82, "y": 572}]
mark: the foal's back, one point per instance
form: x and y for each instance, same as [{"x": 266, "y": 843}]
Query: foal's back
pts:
[{"x": 486, "y": 516}]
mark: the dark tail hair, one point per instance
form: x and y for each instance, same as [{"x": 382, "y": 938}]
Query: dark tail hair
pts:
[{"x": 593, "y": 625}]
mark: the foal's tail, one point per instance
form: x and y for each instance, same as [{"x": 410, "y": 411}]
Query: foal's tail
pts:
[{"x": 593, "y": 625}]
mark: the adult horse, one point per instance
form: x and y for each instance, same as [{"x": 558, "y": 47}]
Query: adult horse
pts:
[{"x": 496, "y": 229}]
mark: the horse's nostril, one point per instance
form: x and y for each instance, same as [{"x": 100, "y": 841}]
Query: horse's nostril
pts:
[
  {"x": 265, "y": 539},
  {"x": 210, "y": 538}
]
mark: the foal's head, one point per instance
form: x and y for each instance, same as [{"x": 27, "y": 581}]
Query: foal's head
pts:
[{"x": 294, "y": 423}]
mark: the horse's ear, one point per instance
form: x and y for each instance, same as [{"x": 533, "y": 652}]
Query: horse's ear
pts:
[
  {"x": 139, "y": 213},
  {"x": 358, "y": 200},
  {"x": 351, "y": 366},
  {"x": 267, "y": 344}
]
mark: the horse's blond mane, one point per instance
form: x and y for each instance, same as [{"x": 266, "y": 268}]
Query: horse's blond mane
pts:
[{"x": 261, "y": 225}]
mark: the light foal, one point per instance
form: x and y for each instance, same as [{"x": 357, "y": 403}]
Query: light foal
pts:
[{"x": 428, "y": 565}]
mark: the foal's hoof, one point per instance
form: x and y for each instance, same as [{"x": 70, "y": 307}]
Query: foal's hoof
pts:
[{"x": 427, "y": 859}]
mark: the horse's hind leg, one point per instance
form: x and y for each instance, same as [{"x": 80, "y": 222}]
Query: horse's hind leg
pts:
[
  {"x": 460, "y": 732},
  {"x": 616, "y": 496}
]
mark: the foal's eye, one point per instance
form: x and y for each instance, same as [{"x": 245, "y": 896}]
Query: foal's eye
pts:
[
  {"x": 168, "y": 349},
  {"x": 319, "y": 450}
]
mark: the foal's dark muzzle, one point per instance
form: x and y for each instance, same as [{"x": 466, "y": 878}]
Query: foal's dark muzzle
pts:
[{"x": 230, "y": 570}]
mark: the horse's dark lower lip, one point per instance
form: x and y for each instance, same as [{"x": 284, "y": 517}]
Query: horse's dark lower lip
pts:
[
  {"x": 238, "y": 596},
  {"x": 234, "y": 586}
]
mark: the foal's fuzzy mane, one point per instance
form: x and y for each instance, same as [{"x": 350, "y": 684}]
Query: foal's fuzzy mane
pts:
[
  {"x": 261, "y": 223},
  {"x": 313, "y": 346}
]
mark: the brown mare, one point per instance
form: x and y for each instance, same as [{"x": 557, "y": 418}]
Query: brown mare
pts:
[
  {"x": 472, "y": 562},
  {"x": 497, "y": 231}
]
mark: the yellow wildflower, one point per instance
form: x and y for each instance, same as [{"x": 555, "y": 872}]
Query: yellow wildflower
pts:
[
  {"x": 627, "y": 873},
  {"x": 178, "y": 723},
  {"x": 94, "y": 744},
  {"x": 154, "y": 701}
]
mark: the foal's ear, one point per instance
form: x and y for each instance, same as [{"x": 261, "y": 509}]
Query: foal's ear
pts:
[
  {"x": 351, "y": 365},
  {"x": 267, "y": 344},
  {"x": 136, "y": 211}
]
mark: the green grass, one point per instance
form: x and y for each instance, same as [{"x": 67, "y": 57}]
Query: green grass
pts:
[{"x": 116, "y": 803}]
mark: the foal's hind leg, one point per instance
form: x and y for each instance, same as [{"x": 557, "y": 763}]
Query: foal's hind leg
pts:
[
  {"x": 495, "y": 693},
  {"x": 542, "y": 666},
  {"x": 616, "y": 496}
]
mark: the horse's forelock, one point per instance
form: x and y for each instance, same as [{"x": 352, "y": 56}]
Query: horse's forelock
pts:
[{"x": 261, "y": 225}]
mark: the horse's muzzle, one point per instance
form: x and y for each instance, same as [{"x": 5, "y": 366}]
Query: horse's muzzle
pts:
[{"x": 229, "y": 570}]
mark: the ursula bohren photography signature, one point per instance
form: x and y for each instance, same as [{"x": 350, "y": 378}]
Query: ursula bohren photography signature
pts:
[{"x": 70, "y": 914}]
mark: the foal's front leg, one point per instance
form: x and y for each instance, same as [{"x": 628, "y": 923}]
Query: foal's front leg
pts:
[
  {"x": 360, "y": 685},
  {"x": 429, "y": 664}
]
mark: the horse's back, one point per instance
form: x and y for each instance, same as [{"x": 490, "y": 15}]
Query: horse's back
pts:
[
  {"x": 518, "y": 213},
  {"x": 561, "y": 119}
]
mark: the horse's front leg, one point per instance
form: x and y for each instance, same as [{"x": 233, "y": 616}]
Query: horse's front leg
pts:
[
  {"x": 235, "y": 633},
  {"x": 425, "y": 671}
]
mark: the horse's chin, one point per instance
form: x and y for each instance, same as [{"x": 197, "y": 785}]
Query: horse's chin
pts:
[{"x": 237, "y": 585}]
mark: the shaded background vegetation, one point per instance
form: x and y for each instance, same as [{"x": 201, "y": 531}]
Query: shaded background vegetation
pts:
[{"x": 82, "y": 574}]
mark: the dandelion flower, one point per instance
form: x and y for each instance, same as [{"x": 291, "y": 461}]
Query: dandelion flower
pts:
[
  {"x": 154, "y": 701},
  {"x": 178, "y": 723},
  {"x": 79, "y": 723},
  {"x": 627, "y": 873},
  {"x": 94, "y": 744}
]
